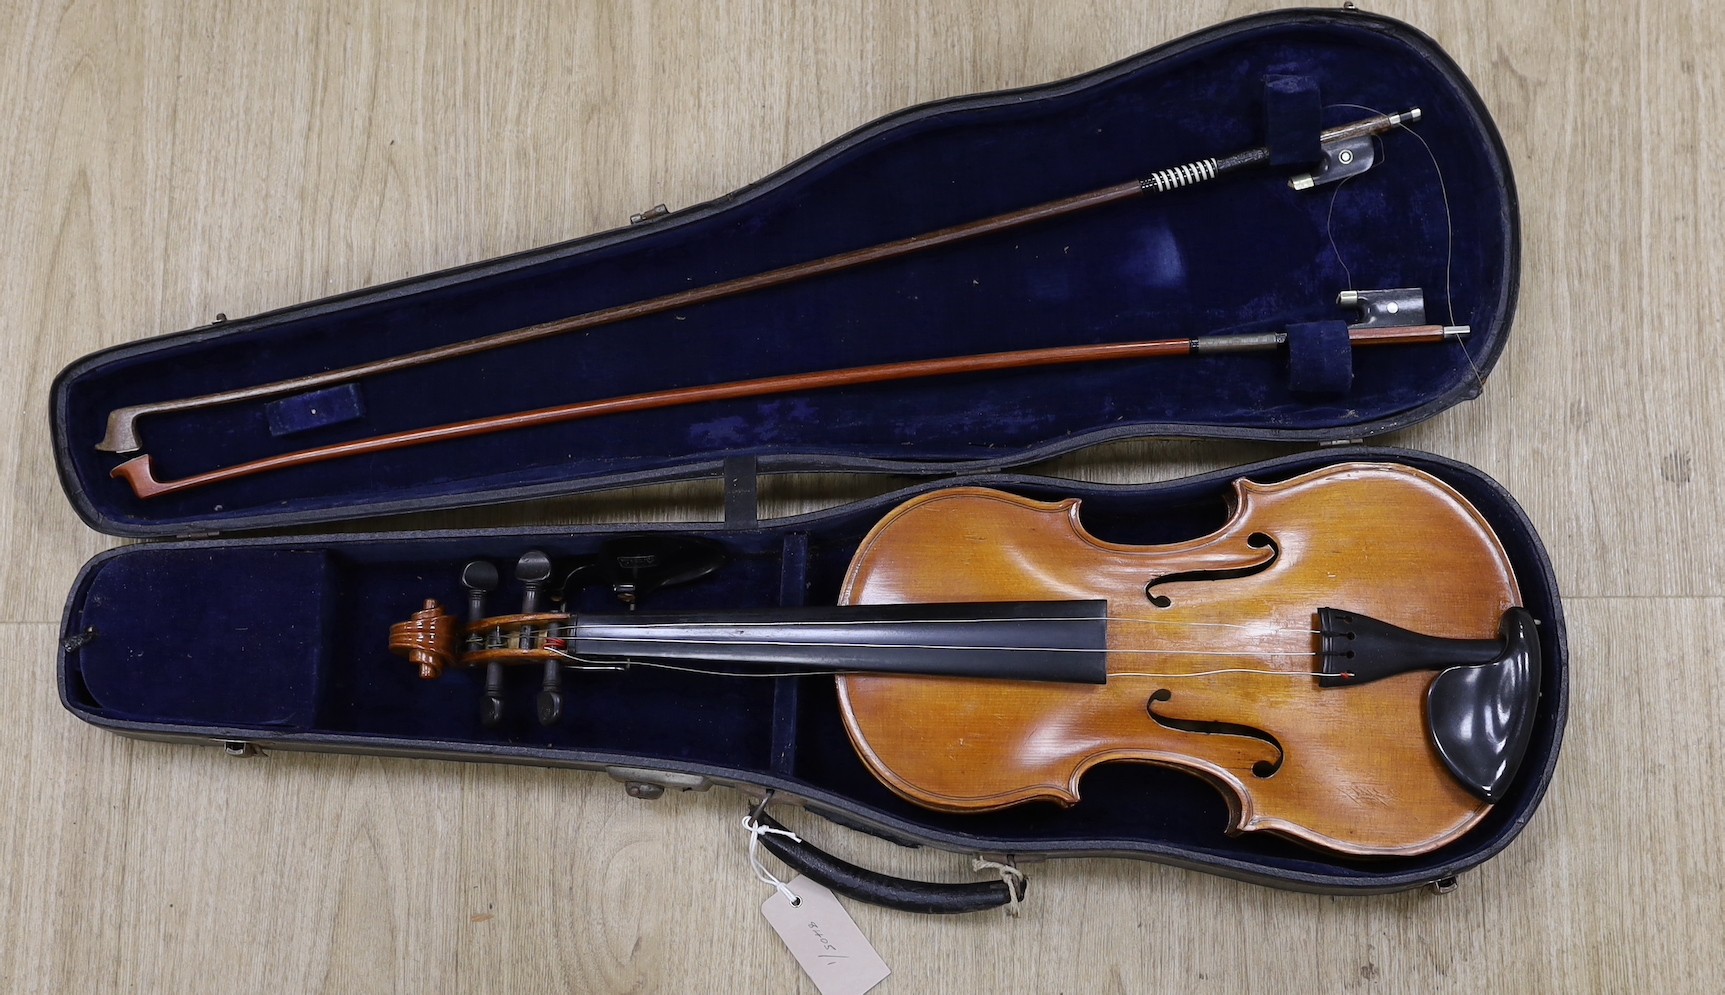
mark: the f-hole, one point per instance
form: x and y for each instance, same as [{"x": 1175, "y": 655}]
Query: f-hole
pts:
[
  {"x": 1263, "y": 768},
  {"x": 1257, "y": 540}
]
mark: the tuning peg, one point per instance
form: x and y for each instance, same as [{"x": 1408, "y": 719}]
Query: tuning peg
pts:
[
  {"x": 480, "y": 579},
  {"x": 551, "y": 696},
  {"x": 491, "y": 706},
  {"x": 550, "y": 702},
  {"x": 532, "y": 570}
]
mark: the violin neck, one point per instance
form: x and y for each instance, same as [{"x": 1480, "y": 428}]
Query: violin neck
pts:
[{"x": 1063, "y": 641}]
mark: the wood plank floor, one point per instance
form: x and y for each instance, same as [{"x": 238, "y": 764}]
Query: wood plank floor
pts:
[{"x": 168, "y": 161}]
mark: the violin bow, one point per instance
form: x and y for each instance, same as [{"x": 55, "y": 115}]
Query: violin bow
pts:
[
  {"x": 1385, "y": 317},
  {"x": 1344, "y": 154}
]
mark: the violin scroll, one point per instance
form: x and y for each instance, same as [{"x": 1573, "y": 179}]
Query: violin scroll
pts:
[{"x": 430, "y": 639}]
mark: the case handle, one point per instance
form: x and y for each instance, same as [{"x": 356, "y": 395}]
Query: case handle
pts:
[{"x": 905, "y": 894}]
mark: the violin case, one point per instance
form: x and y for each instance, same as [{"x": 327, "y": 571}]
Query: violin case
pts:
[{"x": 215, "y": 631}]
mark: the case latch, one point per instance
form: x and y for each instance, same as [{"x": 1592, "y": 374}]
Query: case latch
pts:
[
  {"x": 648, "y": 784},
  {"x": 653, "y": 213}
]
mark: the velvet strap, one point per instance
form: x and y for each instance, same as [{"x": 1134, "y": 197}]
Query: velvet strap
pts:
[
  {"x": 314, "y": 409},
  {"x": 1320, "y": 358}
]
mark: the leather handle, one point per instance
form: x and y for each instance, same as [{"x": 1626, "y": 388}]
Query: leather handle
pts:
[{"x": 906, "y": 895}]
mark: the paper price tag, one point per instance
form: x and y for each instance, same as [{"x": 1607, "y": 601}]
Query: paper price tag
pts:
[{"x": 825, "y": 940}]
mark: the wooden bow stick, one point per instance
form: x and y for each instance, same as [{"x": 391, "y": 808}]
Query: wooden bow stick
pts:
[
  {"x": 139, "y": 471},
  {"x": 121, "y": 435}
]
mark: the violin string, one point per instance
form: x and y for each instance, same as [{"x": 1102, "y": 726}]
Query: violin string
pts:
[
  {"x": 585, "y": 663},
  {"x": 1449, "y": 231},
  {"x": 1110, "y": 619},
  {"x": 1330, "y": 229},
  {"x": 1213, "y": 673},
  {"x": 978, "y": 647}
]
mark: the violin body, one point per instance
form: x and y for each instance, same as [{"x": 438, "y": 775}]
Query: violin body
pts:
[{"x": 1350, "y": 769}]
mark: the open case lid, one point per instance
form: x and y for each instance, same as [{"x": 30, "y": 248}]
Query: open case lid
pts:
[{"x": 1244, "y": 253}]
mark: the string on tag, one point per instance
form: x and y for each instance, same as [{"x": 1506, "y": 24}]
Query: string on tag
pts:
[
  {"x": 1010, "y": 876},
  {"x": 756, "y": 830}
]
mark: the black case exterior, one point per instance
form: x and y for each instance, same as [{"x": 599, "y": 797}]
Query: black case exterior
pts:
[{"x": 316, "y": 681}]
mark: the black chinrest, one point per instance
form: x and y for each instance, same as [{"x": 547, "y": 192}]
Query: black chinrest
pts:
[{"x": 1482, "y": 716}]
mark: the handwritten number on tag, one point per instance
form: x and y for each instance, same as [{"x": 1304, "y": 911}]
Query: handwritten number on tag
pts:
[{"x": 825, "y": 940}]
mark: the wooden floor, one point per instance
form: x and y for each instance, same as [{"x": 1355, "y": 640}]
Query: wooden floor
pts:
[{"x": 168, "y": 161}]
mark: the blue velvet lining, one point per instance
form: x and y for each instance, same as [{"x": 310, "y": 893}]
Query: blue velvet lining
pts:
[
  {"x": 1293, "y": 117},
  {"x": 1242, "y": 253},
  {"x": 283, "y": 640},
  {"x": 190, "y": 636},
  {"x": 1320, "y": 360}
]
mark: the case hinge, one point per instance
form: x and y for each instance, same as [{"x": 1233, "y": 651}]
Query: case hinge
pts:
[
  {"x": 78, "y": 640},
  {"x": 653, "y": 213}
]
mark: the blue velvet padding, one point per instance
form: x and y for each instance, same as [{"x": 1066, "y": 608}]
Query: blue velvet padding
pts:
[
  {"x": 316, "y": 409},
  {"x": 1293, "y": 117},
  {"x": 233, "y": 637},
  {"x": 1320, "y": 358},
  {"x": 282, "y": 640},
  {"x": 1242, "y": 253}
]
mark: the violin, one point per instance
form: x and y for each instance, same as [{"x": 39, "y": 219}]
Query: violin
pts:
[{"x": 1346, "y": 659}]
